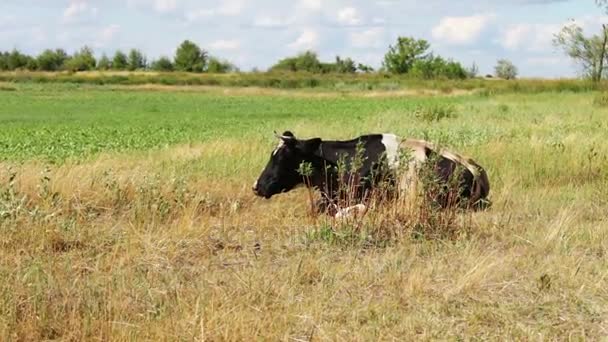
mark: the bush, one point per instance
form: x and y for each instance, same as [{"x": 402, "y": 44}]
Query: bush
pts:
[
  {"x": 50, "y": 60},
  {"x": 218, "y": 66},
  {"x": 162, "y": 64},
  {"x": 437, "y": 67},
  {"x": 307, "y": 61},
  {"x": 82, "y": 60}
]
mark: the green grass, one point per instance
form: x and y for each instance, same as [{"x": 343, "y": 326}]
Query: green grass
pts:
[{"x": 127, "y": 214}]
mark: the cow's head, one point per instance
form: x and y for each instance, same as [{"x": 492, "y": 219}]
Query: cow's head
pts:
[{"x": 282, "y": 171}]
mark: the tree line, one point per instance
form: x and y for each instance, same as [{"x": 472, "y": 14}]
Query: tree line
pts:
[
  {"x": 189, "y": 57},
  {"x": 408, "y": 56}
]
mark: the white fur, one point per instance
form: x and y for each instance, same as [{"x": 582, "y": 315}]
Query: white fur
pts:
[
  {"x": 351, "y": 211},
  {"x": 391, "y": 145},
  {"x": 281, "y": 143}
]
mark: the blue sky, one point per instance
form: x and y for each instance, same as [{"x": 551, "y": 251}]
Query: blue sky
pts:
[{"x": 256, "y": 33}]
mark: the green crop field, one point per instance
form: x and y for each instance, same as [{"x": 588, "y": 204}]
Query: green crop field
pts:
[{"x": 126, "y": 213}]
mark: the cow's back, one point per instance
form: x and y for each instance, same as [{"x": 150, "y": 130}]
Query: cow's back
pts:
[{"x": 473, "y": 180}]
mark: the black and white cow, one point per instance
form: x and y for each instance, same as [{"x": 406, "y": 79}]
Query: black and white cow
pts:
[{"x": 377, "y": 158}]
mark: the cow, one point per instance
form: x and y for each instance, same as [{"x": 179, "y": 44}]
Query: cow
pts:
[{"x": 366, "y": 164}]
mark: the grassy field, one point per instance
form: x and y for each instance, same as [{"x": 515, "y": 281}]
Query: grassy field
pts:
[{"x": 126, "y": 213}]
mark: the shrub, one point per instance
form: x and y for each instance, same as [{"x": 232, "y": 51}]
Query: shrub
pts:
[
  {"x": 50, "y": 60},
  {"x": 218, "y": 66},
  {"x": 82, "y": 60},
  {"x": 437, "y": 67},
  {"x": 162, "y": 64},
  {"x": 307, "y": 61}
]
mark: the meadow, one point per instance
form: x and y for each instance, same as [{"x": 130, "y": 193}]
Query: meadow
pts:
[{"x": 126, "y": 212}]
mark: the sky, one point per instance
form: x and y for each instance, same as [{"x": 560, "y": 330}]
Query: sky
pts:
[{"x": 257, "y": 33}]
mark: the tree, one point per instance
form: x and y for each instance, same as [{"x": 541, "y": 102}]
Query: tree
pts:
[
  {"x": 345, "y": 66},
  {"x": 83, "y": 60},
  {"x": 3, "y": 60},
  {"x": 306, "y": 61},
  {"x": 119, "y": 62},
  {"x": 162, "y": 64},
  {"x": 400, "y": 58},
  {"x": 136, "y": 60},
  {"x": 218, "y": 66},
  {"x": 473, "y": 71},
  {"x": 104, "y": 63},
  {"x": 505, "y": 69},
  {"x": 16, "y": 60},
  {"x": 31, "y": 64},
  {"x": 191, "y": 58},
  {"x": 588, "y": 52},
  {"x": 364, "y": 68},
  {"x": 50, "y": 60}
]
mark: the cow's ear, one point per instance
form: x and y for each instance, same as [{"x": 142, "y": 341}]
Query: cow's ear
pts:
[
  {"x": 310, "y": 146},
  {"x": 287, "y": 138}
]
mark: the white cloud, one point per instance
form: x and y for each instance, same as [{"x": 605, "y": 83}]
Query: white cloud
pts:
[
  {"x": 515, "y": 35},
  {"x": 106, "y": 35},
  {"x": 109, "y": 32},
  {"x": 164, "y": 6},
  {"x": 39, "y": 34},
  {"x": 7, "y": 21},
  {"x": 349, "y": 16},
  {"x": 271, "y": 22},
  {"x": 531, "y": 37},
  {"x": 544, "y": 61},
  {"x": 308, "y": 39},
  {"x": 313, "y": 5},
  {"x": 75, "y": 9},
  {"x": 461, "y": 30},
  {"x": 231, "y": 7},
  {"x": 371, "y": 38},
  {"x": 199, "y": 14},
  {"x": 225, "y": 45},
  {"x": 378, "y": 21}
]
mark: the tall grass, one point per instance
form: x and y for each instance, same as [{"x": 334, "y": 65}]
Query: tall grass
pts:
[
  {"x": 170, "y": 244},
  {"x": 303, "y": 80}
]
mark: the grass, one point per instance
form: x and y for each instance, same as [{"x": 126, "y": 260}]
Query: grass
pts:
[
  {"x": 127, "y": 214},
  {"x": 302, "y": 80}
]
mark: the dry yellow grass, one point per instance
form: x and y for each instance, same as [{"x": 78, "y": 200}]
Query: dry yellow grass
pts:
[{"x": 124, "y": 254}]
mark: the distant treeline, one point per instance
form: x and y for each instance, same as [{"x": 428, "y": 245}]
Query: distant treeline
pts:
[{"x": 409, "y": 56}]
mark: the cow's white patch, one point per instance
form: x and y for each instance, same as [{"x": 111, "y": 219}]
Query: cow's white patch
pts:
[
  {"x": 355, "y": 210},
  {"x": 255, "y": 185},
  {"x": 391, "y": 145}
]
